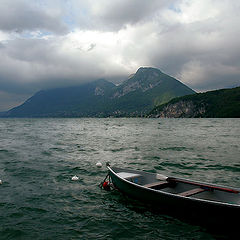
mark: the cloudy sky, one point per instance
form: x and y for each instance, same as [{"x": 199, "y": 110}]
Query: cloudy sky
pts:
[{"x": 45, "y": 44}]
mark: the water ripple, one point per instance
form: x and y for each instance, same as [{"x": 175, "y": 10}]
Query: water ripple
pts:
[{"x": 38, "y": 158}]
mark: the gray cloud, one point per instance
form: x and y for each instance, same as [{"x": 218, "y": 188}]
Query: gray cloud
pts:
[
  {"x": 29, "y": 65},
  {"x": 117, "y": 14},
  {"x": 19, "y": 16},
  {"x": 205, "y": 54}
]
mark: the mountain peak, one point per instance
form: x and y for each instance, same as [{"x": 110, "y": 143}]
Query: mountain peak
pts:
[
  {"x": 148, "y": 70},
  {"x": 147, "y": 79}
]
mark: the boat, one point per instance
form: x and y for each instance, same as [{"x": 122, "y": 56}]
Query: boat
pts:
[{"x": 191, "y": 200}]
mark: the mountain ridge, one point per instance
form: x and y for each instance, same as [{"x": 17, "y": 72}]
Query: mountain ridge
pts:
[{"x": 134, "y": 97}]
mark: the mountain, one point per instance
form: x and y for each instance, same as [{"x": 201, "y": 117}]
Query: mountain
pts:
[
  {"x": 147, "y": 88},
  {"x": 78, "y": 101},
  {"x": 224, "y": 103},
  {"x": 136, "y": 96}
]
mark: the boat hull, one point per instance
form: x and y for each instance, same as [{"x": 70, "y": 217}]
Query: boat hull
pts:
[{"x": 207, "y": 213}]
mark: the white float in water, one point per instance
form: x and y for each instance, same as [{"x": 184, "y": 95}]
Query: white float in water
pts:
[
  {"x": 0, "y": 181},
  {"x": 98, "y": 164},
  {"x": 75, "y": 178}
]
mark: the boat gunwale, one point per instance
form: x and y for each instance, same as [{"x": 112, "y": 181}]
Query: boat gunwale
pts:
[{"x": 188, "y": 198}]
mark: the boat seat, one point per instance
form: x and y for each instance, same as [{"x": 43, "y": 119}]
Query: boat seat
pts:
[
  {"x": 158, "y": 184},
  {"x": 192, "y": 192}
]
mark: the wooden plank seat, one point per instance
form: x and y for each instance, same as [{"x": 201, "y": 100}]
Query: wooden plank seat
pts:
[
  {"x": 159, "y": 184},
  {"x": 192, "y": 192}
]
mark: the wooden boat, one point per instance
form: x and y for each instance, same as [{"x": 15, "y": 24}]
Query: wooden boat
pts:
[{"x": 213, "y": 204}]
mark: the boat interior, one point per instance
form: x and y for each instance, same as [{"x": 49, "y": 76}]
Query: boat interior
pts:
[{"x": 181, "y": 187}]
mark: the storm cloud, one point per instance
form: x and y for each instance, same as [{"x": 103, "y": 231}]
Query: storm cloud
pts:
[
  {"x": 62, "y": 43},
  {"x": 21, "y": 15}
]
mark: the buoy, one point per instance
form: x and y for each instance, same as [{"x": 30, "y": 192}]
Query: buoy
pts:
[
  {"x": 75, "y": 178},
  {"x": 106, "y": 186},
  {"x": 99, "y": 165},
  {"x": 0, "y": 181}
]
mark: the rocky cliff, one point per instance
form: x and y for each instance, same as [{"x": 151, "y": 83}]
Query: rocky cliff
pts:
[
  {"x": 212, "y": 104},
  {"x": 181, "y": 109}
]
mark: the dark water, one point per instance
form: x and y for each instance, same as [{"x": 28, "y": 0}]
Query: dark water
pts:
[{"x": 38, "y": 157}]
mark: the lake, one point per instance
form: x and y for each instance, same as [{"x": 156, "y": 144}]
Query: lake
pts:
[{"x": 38, "y": 158}]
